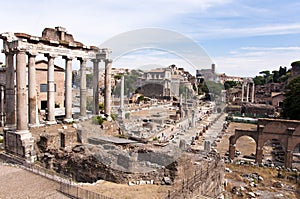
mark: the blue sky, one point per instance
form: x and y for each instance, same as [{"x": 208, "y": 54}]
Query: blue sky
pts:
[{"x": 241, "y": 37}]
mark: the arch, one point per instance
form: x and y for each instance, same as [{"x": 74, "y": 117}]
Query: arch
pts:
[
  {"x": 297, "y": 148},
  {"x": 250, "y": 143},
  {"x": 296, "y": 153},
  {"x": 276, "y": 149},
  {"x": 238, "y": 134}
]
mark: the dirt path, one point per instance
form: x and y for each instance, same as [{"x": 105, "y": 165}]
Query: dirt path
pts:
[{"x": 123, "y": 191}]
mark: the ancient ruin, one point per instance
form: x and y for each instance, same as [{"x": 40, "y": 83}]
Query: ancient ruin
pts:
[
  {"x": 287, "y": 132},
  {"x": 149, "y": 142},
  {"x": 53, "y": 43}
]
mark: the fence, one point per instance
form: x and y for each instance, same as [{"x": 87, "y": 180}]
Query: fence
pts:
[
  {"x": 194, "y": 182},
  {"x": 66, "y": 184},
  {"x": 77, "y": 192}
]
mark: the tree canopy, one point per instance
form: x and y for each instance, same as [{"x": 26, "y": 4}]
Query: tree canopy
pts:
[
  {"x": 277, "y": 76},
  {"x": 291, "y": 103},
  {"x": 229, "y": 84}
]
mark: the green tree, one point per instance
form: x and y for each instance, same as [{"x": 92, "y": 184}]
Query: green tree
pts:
[
  {"x": 259, "y": 80},
  {"x": 291, "y": 103},
  {"x": 267, "y": 76},
  {"x": 275, "y": 76},
  {"x": 229, "y": 84}
]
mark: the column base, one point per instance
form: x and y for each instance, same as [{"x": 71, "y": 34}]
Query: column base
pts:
[
  {"x": 50, "y": 122},
  {"x": 20, "y": 143},
  {"x": 9, "y": 127},
  {"x": 82, "y": 118},
  {"x": 35, "y": 125},
  {"x": 68, "y": 120}
]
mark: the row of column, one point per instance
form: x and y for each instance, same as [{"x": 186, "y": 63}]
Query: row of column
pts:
[
  {"x": 248, "y": 91},
  {"x": 19, "y": 114}
]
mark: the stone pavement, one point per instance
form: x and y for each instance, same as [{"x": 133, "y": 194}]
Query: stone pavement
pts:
[{"x": 18, "y": 183}]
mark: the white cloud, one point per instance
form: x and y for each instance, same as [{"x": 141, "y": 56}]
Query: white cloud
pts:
[
  {"x": 237, "y": 32},
  {"x": 249, "y": 61}
]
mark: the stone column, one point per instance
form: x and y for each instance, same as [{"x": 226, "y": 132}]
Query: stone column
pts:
[
  {"x": 10, "y": 100},
  {"x": 243, "y": 91},
  {"x": 232, "y": 147},
  {"x": 121, "y": 111},
  {"x": 253, "y": 92},
  {"x": 122, "y": 94},
  {"x": 95, "y": 86},
  {"x": 107, "y": 98},
  {"x": 82, "y": 88},
  {"x": 259, "y": 155},
  {"x": 193, "y": 119},
  {"x": 22, "y": 111},
  {"x": 2, "y": 106},
  {"x": 51, "y": 90},
  {"x": 232, "y": 151},
  {"x": 68, "y": 90},
  {"x": 288, "y": 160},
  {"x": 247, "y": 100},
  {"x": 32, "y": 94}
]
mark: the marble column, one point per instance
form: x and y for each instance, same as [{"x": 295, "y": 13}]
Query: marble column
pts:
[
  {"x": 68, "y": 89},
  {"x": 10, "y": 100},
  {"x": 32, "y": 94},
  {"x": 243, "y": 91},
  {"x": 82, "y": 88},
  {"x": 121, "y": 111},
  {"x": 95, "y": 86},
  {"x": 122, "y": 93},
  {"x": 2, "y": 106},
  {"x": 247, "y": 100},
  {"x": 107, "y": 98},
  {"x": 22, "y": 111},
  {"x": 253, "y": 92},
  {"x": 51, "y": 90}
]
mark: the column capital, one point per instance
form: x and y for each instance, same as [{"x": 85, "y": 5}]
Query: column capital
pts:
[
  {"x": 32, "y": 53},
  {"x": 20, "y": 51},
  {"x": 5, "y": 51},
  {"x": 50, "y": 55},
  {"x": 95, "y": 60},
  {"x": 81, "y": 59},
  {"x": 108, "y": 60},
  {"x": 68, "y": 57}
]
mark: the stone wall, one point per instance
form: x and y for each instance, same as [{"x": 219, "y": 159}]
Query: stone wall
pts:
[{"x": 190, "y": 174}]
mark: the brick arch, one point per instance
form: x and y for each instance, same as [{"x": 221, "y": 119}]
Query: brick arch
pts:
[
  {"x": 242, "y": 134},
  {"x": 281, "y": 139},
  {"x": 286, "y": 131}
]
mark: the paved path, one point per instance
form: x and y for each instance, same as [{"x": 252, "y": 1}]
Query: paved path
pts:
[{"x": 18, "y": 183}]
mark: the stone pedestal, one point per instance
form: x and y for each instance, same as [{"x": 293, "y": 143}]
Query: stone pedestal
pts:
[{"x": 20, "y": 143}]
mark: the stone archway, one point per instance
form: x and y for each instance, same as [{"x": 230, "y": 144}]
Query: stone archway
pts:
[
  {"x": 233, "y": 140},
  {"x": 286, "y": 131}
]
